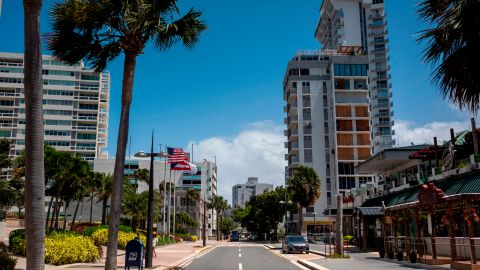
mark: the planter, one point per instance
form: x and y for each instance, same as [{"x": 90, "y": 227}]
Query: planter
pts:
[
  {"x": 400, "y": 255},
  {"x": 391, "y": 255},
  {"x": 381, "y": 252},
  {"x": 413, "y": 257}
]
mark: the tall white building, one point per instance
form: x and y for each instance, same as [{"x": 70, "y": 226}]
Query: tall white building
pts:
[
  {"x": 75, "y": 106},
  {"x": 241, "y": 193},
  {"x": 344, "y": 24},
  {"x": 338, "y": 99}
]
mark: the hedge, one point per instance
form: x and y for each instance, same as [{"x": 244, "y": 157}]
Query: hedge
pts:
[
  {"x": 6, "y": 261},
  {"x": 61, "y": 247},
  {"x": 90, "y": 230},
  {"x": 101, "y": 237}
]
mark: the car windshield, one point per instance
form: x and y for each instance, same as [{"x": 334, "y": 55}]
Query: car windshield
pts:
[{"x": 296, "y": 239}]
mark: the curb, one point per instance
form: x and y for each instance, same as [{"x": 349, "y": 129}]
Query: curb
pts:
[
  {"x": 310, "y": 265},
  {"x": 318, "y": 253}
]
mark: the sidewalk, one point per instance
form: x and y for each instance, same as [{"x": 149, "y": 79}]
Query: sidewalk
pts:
[{"x": 167, "y": 256}]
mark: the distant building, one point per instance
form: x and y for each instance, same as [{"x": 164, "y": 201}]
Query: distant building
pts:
[
  {"x": 241, "y": 193},
  {"x": 205, "y": 181},
  {"x": 75, "y": 106}
]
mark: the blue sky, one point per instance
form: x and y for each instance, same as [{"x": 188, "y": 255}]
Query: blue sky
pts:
[{"x": 233, "y": 78}]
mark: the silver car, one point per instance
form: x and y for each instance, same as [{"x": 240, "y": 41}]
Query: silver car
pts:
[{"x": 295, "y": 243}]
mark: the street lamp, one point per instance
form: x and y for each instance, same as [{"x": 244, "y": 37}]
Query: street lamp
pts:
[
  {"x": 149, "y": 250},
  {"x": 314, "y": 224}
]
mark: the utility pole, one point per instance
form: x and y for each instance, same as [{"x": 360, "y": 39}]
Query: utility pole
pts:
[
  {"x": 204, "y": 222},
  {"x": 339, "y": 225},
  {"x": 474, "y": 135}
]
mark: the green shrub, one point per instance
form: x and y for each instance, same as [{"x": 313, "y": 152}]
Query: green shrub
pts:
[
  {"x": 6, "y": 261},
  {"x": 101, "y": 237},
  {"x": 347, "y": 238},
  {"x": 90, "y": 230},
  {"x": 67, "y": 248},
  {"x": 16, "y": 242},
  {"x": 61, "y": 247}
]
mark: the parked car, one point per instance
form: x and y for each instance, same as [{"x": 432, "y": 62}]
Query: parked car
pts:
[{"x": 295, "y": 243}]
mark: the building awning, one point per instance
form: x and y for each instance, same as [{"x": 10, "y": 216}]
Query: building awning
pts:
[
  {"x": 370, "y": 211},
  {"x": 452, "y": 187}
]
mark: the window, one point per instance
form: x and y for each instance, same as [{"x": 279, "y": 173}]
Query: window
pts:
[
  {"x": 350, "y": 69},
  {"x": 308, "y": 155},
  {"x": 57, "y": 112},
  {"x": 58, "y": 72},
  {"x": 6, "y": 102},
  {"x": 305, "y": 84},
  {"x": 345, "y": 139},
  {"x": 325, "y": 114},
  {"x": 364, "y": 180},
  {"x": 344, "y": 111},
  {"x": 342, "y": 84},
  {"x": 362, "y": 125},
  {"x": 344, "y": 125},
  {"x": 5, "y": 133},
  {"x": 345, "y": 153},
  {"x": 88, "y": 106},
  {"x": 307, "y": 114},
  {"x": 378, "y": 39},
  {"x": 58, "y": 143},
  {"x": 11, "y": 80},
  {"x": 58, "y": 92},
  {"x": 346, "y": 168},
  {"x": 377, "y": 2},
  {"x": 307, "y": 141},
  {"x": 304, "y": 71},
  {"x": 346, "y": 182},
  {"x": 364, "y": 153},
  {"x": 327, "y": 142},
  {"x": 293, "y": 71},
  {"x": 84, "y": 136},
  {"x": 90, "y": 77},
  {"x": 306, "y": 101},
  {"x": 361, "y": 111},
  {"x": 360, "y": 84},
  {"x": 57, "y": 132},
  {"x": 58, "y": 82},
  {"x": 307, "y": 130},
  {"x": 50, "y": 122}
]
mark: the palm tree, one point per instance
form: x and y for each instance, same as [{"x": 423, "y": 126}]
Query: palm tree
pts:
[
  {"x": 304, "y": 187},
  {"x": 34, "y": 169},
  {"x": 135, "y": 206},
  {"x": 104, "y": 193},
  {"x": 99, "y": 31},
  {"x": 219, "y": 204},
  {"x": 452, "y": 48}
]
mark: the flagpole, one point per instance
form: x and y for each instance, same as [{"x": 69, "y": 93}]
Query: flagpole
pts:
[
  {"x": 174, "y": 200},
  {"x": 164, "y": 193},
  {"x": 169, "y": 202}
]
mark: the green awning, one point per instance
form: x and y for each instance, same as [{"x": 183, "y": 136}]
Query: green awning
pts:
[{"x": 463, "y": 184}]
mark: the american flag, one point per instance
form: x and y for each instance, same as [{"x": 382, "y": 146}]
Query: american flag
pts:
[{"x": 176, "y": 155}]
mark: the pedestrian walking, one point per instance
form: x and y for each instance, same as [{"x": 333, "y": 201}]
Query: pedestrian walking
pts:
[{"x": 154, "y": 243}]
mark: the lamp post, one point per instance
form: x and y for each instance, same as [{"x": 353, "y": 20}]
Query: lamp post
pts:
[
  {"x": 149, "y": 250},
  {"x": 314, "y": 225},
  {"x": 286, "y": 202}
]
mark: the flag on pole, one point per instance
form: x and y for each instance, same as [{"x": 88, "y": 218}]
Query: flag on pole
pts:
[{"x": 176, "y": 155}]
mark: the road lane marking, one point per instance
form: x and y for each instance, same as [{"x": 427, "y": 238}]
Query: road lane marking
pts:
[
  {"x": 239, "y": 255},
  {"x": 240, "y": 266}
]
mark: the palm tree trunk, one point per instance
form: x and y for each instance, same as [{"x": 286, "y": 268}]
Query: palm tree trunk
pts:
[
  {"x": 188, "y": 199},
  {"x": 91, "y": 206},
  {"x": 75, "y": 214},
  {"x": 104, "y": 210},
  {"x": 34, "y": 166},
  {"x": 300, "y": 219},
  {"x": 54, "y": 214},
  {"x": 217, "y": 220},
  {"x": 65, "y": 214},
  {"x": 116, "y": 202},
  {"x": 48, "y": 212},
  {"x": 58, "y": 213}
]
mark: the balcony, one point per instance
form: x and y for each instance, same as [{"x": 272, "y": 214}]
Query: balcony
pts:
[
  {"x": 293, "y": 148},
  {"x": 384, "y": 50},
  {"x": 378, "y": 42},
  {"x": 378, "y": 25},
  {"x": 383, "y": 105},
  {"x": 378, "y": 33},
  {"x": 384, "y": 114},
  {"x": 380, "y": 59},
  {"x": 385, "y": 143}
]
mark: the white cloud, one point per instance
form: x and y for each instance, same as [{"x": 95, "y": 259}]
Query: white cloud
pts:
[
  {"x": 406, "y": 133},
  {"x": 256, "y": 151}
]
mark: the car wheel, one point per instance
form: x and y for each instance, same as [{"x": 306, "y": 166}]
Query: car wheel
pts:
[
  {"x": 307, "y": 252},
  {"x": 283, "y": 251}
]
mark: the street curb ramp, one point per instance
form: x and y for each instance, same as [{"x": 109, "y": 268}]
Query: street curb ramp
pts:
[{"x": 310, "y": 265}]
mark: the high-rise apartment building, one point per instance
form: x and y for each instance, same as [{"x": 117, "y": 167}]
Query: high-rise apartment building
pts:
[
  {"x": 241, "y": 193},
  {"x": 362, "y": 24},
  {"x": 338, "y": 99},
  {"x": 75, "y": 106}
]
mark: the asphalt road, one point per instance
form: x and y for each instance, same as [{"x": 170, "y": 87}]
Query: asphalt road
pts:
[{"x": 240, "y": 258}]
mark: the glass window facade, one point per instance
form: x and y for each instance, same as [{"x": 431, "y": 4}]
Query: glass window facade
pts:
[{"x": 350, "y": 69}]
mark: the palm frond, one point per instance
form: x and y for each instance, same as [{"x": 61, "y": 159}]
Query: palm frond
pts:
[{"x": 186, "y": 29}]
